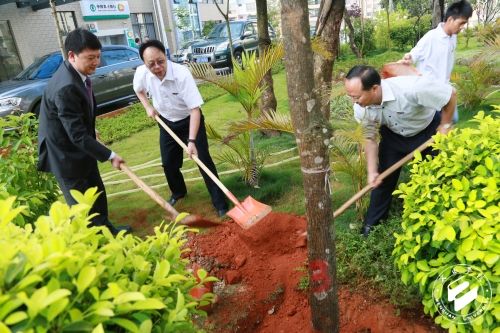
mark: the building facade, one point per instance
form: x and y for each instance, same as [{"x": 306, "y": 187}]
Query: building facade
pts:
[{"x": 28, "y": 29}]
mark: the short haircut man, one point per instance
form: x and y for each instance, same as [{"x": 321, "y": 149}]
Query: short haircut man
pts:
[
  {"x": 402, "y": 111},
  {"x": 67, "y": 144}
]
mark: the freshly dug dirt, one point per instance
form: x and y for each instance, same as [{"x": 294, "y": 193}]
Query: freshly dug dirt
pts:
[{"x": 263, "y": 272}]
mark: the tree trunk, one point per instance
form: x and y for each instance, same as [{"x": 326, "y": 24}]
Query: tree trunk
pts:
[
  {"x": 437, "y": 12},
  {"x": 331, "y": 19},
  {"x": 312, "y": 133},
  {"x": 59, "y": 32},
  {"x": 388, "y": 40},
  {"x": 350, "y": 28},
  {"x": 228, "y": 27},
  {"x": 268, "y": 101}
]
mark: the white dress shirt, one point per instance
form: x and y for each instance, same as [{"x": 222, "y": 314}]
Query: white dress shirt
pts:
[
  {"x": 434, "y": 54},
  {"x": 173, "y": 97},
  {"x": 408, "y": 105}
]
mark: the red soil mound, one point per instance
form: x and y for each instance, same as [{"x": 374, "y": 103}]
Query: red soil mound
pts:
[{"x": 261, "y": 270}]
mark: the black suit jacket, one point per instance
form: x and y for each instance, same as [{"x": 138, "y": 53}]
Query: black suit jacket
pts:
[{"x": 67, "y": 145}]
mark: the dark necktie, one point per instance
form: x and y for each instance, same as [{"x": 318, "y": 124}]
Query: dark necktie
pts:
[{"x": 88, "y": 87}]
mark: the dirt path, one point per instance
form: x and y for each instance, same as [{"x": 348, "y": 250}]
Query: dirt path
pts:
[{"x": 262, "y": 271}]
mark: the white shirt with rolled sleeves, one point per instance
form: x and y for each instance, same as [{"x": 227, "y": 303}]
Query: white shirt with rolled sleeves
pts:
[
  {"x": 434, "y": 54},
  {"x": 173, "y": 97},
  {"x": 408, "y": 106}
]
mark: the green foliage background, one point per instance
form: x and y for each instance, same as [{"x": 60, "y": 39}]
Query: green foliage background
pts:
[{"x": 450, "y": 217}]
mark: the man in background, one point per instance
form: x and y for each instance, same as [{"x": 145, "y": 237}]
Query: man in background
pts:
[{"x": 434, "y": 53}]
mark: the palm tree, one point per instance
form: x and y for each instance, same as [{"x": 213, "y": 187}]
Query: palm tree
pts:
[{"x": 245, "y": 84}]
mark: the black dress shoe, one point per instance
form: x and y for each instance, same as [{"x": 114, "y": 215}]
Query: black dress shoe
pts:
[
  {"x": 366, "y": 229},
  {"x": 172, "y": 201},
  {"x": 222, "y": 212},
  {"x": 116, "y": 230}
]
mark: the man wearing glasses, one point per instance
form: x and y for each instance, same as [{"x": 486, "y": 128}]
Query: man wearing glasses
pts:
[
  {"x": 177, "y": 101},
  {"x": 67, "y": 144}
]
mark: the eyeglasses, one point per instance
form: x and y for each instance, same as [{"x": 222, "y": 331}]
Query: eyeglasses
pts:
[{"x": 151, "y": 64}]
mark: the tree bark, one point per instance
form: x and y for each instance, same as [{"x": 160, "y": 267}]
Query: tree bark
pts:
[
  {"x": 59, "y": 32},
  {"x": 268, "y": 101},
  {"x": 313, "y": 132},
  {"x": 350, "y": 28},
  {"x": 331, "y": 19},
  {"x": 437, "y": 12}
]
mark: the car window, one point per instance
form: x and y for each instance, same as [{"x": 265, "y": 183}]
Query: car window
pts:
[
  {"x": 220, "y": 30},
  {"x": 111, "y": 57},
  {"x": 131, "y": 55},
  {"x": 249, "y": 29},
  {"x": 42, "y": 68}
]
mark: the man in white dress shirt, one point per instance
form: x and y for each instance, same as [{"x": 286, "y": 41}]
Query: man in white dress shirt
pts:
[
  {"x": 177, "y": 101},
  {"x": 402, "y": 110},
  {"x": 434, "y": 53}
]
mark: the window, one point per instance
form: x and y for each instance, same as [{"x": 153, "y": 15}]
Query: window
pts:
[
  {"x": 143, "y": 25},
  {"x": 67, "y": 22},
  {"x": 251, "y": 7},
  {"x": 10, "y": 63},
  {"x": 249, "y": 29},
  {"x": 42, "y": 68},
  {"x": 112, "y": 57}
]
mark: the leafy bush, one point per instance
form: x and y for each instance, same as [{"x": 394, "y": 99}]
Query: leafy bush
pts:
[
  {"x": 368, "y": 32},
  {"x": 402, "y": 35},
  {"x": 63, "y": 276},
  {"x": 18, "y": 172},
  {"x": 451, "y": 214}
]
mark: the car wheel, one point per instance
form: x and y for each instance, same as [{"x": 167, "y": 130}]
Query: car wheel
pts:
[
  {"x": 237, "y": 57},
  {"x": 36, "y": 109}
]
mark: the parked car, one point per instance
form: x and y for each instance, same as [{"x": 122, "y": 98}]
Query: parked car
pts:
[
  {"x": 112, "y": 81},
  {"x": 184, "y": 54},
  {"x": 215, "y": 48}
]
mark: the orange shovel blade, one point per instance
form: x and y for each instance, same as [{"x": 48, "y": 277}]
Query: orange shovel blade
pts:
[{"x": 250, "y": 212}]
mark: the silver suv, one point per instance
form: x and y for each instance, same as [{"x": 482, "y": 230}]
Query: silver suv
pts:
[
  {"x": 112, "y": 81},
  {"x": 215, "y": 48}
]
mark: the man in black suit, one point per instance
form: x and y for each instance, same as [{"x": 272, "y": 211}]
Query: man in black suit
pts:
[{"x": 67, "y": 144}]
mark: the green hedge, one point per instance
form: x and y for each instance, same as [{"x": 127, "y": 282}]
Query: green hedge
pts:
[
  {"x": 451, "y": 228},
  {"x": 18, "y": 168},
  {"x": 63, "y": 276}
]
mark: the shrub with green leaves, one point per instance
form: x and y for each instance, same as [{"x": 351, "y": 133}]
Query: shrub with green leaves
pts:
[
  {"x": 451, "y": 217},
  {"x": 18, "y": 172},
  {"x": 60, "y": 275}
]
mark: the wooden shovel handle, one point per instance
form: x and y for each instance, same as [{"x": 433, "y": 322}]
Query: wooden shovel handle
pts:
[
  {"x": 200, "y": 163},
  {"x": 382, "y": 176},
  {"x": 149, "y": 191}
]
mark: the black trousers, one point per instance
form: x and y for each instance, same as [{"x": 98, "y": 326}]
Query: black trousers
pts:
[
  {"x": 392, "y": 148},
  {"x": 92, "y": 179},
  {"x": 172, "y": 156}
]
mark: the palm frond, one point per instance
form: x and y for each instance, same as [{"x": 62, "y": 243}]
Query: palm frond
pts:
[
  {"x": 206, "y": 72},
  {"x": 252, "y": 70},
  {"x": 278, "y": 122}
]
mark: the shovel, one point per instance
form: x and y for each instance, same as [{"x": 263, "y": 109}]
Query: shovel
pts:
[
  {"x": 246, "y": 213},
  {"x": 190, "y": 220},
  {"x": 382, "y": 176}
]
